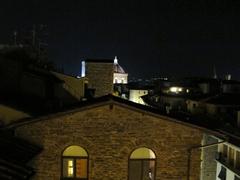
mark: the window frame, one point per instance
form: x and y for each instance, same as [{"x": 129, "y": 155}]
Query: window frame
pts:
[
  {"x": 75, "y": 158},
  {"x": 142, "y": 160}
]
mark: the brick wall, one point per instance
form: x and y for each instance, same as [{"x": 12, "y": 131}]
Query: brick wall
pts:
[
  {"x": 109, "y": 136},
  {"x": 100, "y": 77}
]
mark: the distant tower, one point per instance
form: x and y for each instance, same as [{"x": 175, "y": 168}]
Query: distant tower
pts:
[
  {"x": 214, "y": 72},
  {"x": 115, "y": 60},
  {"x": 83, "y": 69},
  {"x": 119, "y": 75},
  {"x": 99, "y": 73}
]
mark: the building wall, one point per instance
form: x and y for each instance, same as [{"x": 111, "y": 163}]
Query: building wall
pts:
[
  {"x": 224, "y": 160},
  {"x": 120, "y": 78},
  {"x": 33, "y": 85},
  {"x": 209, "y": 165},
  {"x": 109, "y": 134},
  {"x": 100, "y": 76},
  {"x": 229, "y": 174},
  {"x": 195, "y": 107},
  {"x": 230, "y": 88},
  {"x": 74, "y": 86},
  {"x": 135, "y": 95},
  {"x": 177, "y": 103}
]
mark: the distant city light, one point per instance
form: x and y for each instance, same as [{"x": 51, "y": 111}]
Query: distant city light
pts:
[{"x": 175, "y": 89}]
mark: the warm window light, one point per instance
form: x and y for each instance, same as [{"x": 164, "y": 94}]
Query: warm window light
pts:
[
  {"x": 75, "y": 163},
  {"x": 70, "y": 168}
]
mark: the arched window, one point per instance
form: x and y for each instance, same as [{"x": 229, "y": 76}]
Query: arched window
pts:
[
  {"x": 75, "y": 163},
  {"x": 142, "y": 164}
]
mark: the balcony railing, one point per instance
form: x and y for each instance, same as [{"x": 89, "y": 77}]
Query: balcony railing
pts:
[{"x": 223, "y": 159}]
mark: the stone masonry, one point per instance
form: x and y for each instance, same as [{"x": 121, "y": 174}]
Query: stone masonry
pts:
[
  {"x": 110, "y": 132},
  {"x": 100, "y": 77}
]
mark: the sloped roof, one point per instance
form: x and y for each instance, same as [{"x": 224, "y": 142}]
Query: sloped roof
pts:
[
  {"x": 110, "y": 99},
  {"x": 118, "y": 69}
]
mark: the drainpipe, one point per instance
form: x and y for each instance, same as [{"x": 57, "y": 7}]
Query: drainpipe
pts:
[{"x": 189, "y": 151}]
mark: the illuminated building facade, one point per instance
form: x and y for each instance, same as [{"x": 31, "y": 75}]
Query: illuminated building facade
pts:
[
  {"x": 119, "y": 75},
  {"x": 124, "y": 140},
  {"x": 135, "y": 95},
  {"x": 103, "y": 74}
]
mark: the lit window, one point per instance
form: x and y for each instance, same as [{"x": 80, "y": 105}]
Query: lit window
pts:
[
  {"x": 142, "y": 164},
  {"x": 70, "y": 168},
  {"x": 75, "y": 163}
]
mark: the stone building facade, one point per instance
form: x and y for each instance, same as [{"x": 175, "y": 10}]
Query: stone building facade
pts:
[
  {"x": 100, "y": 76},
  {"x": 110, "y": 130}
]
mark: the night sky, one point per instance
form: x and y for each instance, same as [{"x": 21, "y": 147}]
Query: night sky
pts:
[{"x": 150, "y": 38}]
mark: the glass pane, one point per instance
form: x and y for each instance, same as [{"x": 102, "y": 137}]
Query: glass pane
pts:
[
  {"x": 135, "y": 169},
  {"x": 143, "y": 153},
  {"x": 68, "y": 167},
  {"x": 148, "y": 169},
  {"x": 81, "y": 168}
]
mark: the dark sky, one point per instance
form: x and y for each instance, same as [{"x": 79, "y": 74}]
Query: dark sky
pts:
[{"x": 150, "y": 38}]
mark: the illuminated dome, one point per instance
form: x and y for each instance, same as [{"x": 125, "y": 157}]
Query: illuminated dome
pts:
[{"x": 117, "y": 67}]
